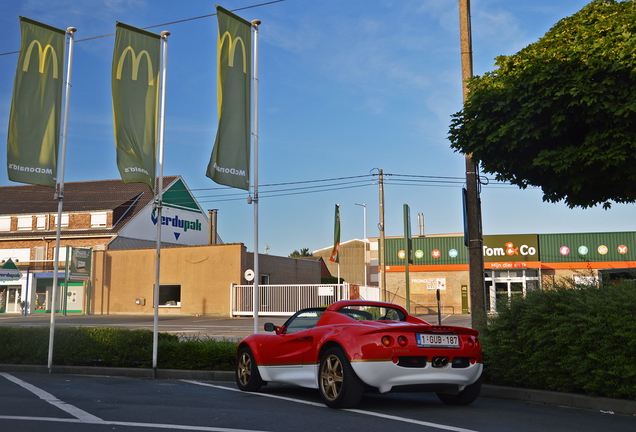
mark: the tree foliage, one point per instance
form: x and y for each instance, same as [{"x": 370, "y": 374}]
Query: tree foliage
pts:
[
  {"x": 304, "y": 253},
  {"x": 561, "y": 113}
]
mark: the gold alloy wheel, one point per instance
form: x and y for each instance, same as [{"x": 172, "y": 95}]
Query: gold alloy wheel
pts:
[
  {"x": 245, "y": 368},
  {"x": 331, "y": 377}
]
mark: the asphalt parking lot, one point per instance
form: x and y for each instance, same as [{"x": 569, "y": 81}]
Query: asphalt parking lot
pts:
[{"x": 73, "y": 403}]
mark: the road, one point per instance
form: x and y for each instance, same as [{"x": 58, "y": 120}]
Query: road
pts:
[
  {"x": 216, "y": 327},
  {"x": 71, "y": 403}
]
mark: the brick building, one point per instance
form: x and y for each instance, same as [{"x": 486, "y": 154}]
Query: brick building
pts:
[{"x": 96, "y": 214}]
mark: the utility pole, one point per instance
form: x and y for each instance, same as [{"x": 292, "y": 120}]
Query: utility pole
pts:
[
  {"x": 473, "y": 202},
  {"x": 381, "y": 251}
]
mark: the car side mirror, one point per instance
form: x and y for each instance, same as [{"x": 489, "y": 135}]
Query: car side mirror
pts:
[{"x": 270, "y": 327}]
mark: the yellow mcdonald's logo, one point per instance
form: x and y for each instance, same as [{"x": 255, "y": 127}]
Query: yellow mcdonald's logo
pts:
[
  {"x": 136, "y": 59},
  {"x": 41, "y": 57},
  {"x": 232, "y": 48}
]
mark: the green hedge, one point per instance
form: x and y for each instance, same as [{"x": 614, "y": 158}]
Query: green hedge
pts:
[
  {"x": 571, "y": 339},
  {"x": 113, "y": 347}
]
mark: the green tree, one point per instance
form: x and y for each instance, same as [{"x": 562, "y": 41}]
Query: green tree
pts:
[
  {"x": 304, "y": 253},
  {"x": 561, "y": 113}
]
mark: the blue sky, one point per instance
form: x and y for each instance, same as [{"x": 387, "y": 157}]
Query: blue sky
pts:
[{"x": 346, "y": 87}]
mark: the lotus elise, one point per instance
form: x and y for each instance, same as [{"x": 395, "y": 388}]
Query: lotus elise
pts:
[{"x": 355, "y": 346}]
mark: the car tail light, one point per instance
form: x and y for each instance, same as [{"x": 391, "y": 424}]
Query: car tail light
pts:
[
  {"x": 396, "y": 360},
  {"x": 402, "y": 340},
  {"x": 477, "y": 343},
  {"x": 387, "y": 341},
  {"x": 471, "y": 343}
]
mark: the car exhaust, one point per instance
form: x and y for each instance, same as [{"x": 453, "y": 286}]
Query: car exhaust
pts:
[{"x": 439, "y": 362}]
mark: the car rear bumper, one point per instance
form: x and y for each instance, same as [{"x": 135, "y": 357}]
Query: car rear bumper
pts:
[{"x": 384, "y": 375}]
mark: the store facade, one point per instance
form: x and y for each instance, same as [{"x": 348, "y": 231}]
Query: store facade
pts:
[{"x": 513, "y": 266}]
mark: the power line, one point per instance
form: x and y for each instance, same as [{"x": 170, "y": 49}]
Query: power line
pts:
[
  {"x": 305, "y": 187},
  {"x": 293, "y": 183},
  {"x": 166, "y": 24}
]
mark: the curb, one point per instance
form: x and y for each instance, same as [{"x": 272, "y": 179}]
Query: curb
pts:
[
  {"x": 122, "y": 372},
  {"x": 608, "y": 405}
]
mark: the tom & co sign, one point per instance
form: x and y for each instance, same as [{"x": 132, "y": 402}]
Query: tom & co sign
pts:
[{"x": 511, "y": 248}]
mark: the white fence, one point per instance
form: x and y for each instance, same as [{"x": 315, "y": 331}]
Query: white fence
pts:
[{"x": 285, "y": 300}]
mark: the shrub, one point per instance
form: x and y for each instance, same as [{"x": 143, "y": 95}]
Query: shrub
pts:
[
  {"x": 113, "y": 347},
  {"x": 572, "y": 339},
  {"x": 197, "y": 354}
]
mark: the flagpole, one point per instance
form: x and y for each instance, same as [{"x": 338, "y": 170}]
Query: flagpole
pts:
[
  {"x": 155, "y": 333},
  {"x": 255, "y": 24},
  {"x": 339, "y": 287},
  {"x": 60, "y": 196}
]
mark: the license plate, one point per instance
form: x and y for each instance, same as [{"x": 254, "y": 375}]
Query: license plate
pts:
[{"x": 437, "y": 341}]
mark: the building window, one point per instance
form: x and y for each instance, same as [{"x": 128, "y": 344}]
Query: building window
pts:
[
  {"x": 5, "y": 223},
  {"x": 40, "y": 222},
  {"x": 25, "y": 223},
  {"x": 38, "y": 254},
  {"x": 170, "y": 295},
  {"x": 98, "y": 220},
  {"x": 64, "y": 221}
]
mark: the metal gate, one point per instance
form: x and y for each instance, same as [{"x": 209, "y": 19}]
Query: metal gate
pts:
[{"x": 285, "y": 300}]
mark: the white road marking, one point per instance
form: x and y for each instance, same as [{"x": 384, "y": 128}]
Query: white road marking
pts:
[
  {"x": 79, "y": 414},
  {"x": 321, "y": 405},
  {"x": 369, "y": 413},
  {"x": 407, "y": 420}
]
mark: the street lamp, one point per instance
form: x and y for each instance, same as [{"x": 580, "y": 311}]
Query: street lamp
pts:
[{"x": 365, "y": 242}]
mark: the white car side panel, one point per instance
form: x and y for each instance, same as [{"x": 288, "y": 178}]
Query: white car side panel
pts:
[{"x": 304, "y": 375}]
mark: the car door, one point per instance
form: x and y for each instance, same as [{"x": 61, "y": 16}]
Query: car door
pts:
[{"x": 282, "y": 354}]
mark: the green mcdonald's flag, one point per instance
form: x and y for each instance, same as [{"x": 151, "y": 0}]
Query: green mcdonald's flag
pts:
[
  {"x": 230, "y": 161},
  {"x": 135, "y": 81},
  {"x": 36, "y": 108},
  {"x": 335, "y": 252}
]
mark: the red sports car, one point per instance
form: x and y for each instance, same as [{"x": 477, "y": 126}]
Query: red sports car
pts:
[{"x": 353, "y": 346}]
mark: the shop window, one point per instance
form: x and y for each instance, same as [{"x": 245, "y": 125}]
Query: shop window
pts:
[
  {"x": 64, "y": 221},
  {"x": 40, "y": 222},
  {"x": 5, "y": 223},
  {"x": 169, "y": 295},
  {"x": 98, "y": 220},
  {"x": 25, "y": 223},
  {"x": 532, "y": 285}
]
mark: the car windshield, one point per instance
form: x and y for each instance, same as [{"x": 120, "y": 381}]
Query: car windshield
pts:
[{"x": 365, "y": 312}]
